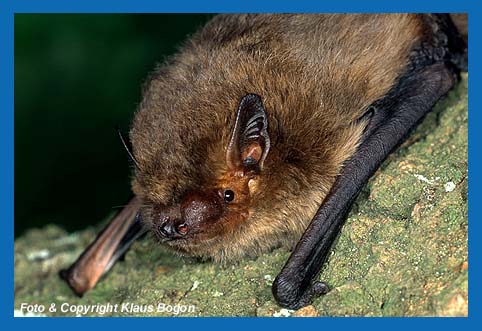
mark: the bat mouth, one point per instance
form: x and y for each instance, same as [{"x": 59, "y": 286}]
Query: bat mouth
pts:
[
  {"x": 192, "y": 247},
  {"x": 193, "y": 243}
]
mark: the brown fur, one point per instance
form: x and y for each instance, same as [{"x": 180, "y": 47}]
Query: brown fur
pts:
[{"x": 316, "y": 75}]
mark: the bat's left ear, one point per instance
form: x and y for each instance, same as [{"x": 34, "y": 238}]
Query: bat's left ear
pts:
[{"x": 249, "y": 143}]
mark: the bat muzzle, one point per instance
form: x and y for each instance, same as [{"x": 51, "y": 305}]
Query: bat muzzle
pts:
[{"x": 172, "y": 229}]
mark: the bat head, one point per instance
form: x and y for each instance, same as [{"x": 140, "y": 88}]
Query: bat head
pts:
[{"x": 193, "y": 210}]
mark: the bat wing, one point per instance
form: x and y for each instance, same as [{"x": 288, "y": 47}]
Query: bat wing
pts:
[
  {"x": 390, "y": 121},
  {"x": 110, "y": 245}
]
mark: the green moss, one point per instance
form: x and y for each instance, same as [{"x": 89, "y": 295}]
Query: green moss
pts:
[{"x": 402, "y": 252}]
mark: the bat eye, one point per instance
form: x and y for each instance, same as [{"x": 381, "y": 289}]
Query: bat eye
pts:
[
  {"x": 228, "y": 195},
  {"x": 182, "y": 228}
]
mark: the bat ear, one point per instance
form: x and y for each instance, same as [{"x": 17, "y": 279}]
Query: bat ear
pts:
[{"x": 249, "y": 143}]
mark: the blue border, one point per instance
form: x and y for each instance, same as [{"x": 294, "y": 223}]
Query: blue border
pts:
[
  {"x": 236, "y": 6},
  {"x": 7, "y": 10},
  {"x": 6, "y": 164}
]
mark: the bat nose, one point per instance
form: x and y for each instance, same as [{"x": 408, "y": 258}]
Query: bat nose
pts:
[
  {"x": 171, "y": 229},
  {"x": 167, "y": 229}
]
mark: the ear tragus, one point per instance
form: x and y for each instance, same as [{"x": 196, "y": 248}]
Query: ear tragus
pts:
[{"x": 249, "y": 143}]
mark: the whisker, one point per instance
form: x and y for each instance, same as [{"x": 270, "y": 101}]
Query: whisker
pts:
[
  {"x": 126, "y": 144},
  {"x": 122, "y": 206}
]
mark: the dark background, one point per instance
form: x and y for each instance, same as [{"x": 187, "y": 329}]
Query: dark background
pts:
[{"x": 76, "y": 77}]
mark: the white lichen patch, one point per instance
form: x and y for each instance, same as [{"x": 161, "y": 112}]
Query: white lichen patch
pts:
[
  {"x": 195, "y": 285},
  {"x": 449, "y": 187},
  {"x": 283, "y": 313},
  {"x": 71, "y": 239},
  {"x": 19, "y": 313},
  {"x": 218, "y": 294},
  {"x": 424, "y": 179},
  {"x": 268, "y": 279},
  {"x": 39, "y": 255}
]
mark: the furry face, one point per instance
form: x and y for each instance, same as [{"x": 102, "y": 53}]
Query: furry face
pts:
[{"x": 193, "y": 138}]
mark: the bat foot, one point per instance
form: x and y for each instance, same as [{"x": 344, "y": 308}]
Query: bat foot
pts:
[
  {"x": 316, "y": 290},
  {"x": 294, "y": 297}
]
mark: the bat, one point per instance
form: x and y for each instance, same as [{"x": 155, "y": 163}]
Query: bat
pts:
[{"x": 262, "y": 130}]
